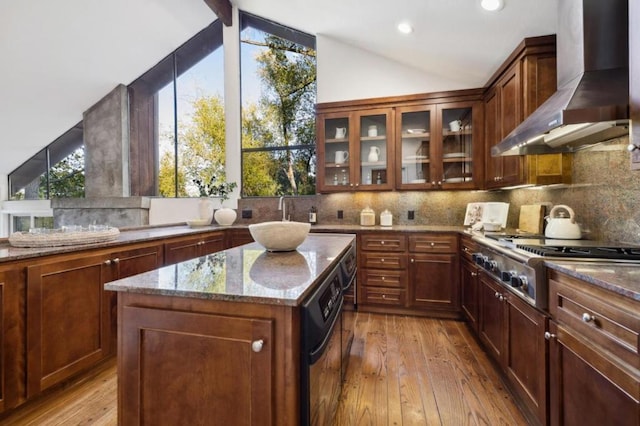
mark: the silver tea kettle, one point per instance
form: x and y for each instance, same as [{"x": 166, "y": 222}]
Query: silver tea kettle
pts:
[{"x": 561, "y": 227}]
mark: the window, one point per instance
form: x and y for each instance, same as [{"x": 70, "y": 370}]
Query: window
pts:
[
  {"x": 57, "y": 171},
  {"x": 278, "y": 109},
  {"x": 177, "y": 119}
]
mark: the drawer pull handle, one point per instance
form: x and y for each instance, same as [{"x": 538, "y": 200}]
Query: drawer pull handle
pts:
[
  {"x": 256, "y": 345},
  {"x": 588, "y": 318},
  {"x": 549, "y": 336}
]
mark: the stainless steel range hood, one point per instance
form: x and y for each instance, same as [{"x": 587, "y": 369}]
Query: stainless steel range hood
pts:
[{"x": 591, "y": 104}]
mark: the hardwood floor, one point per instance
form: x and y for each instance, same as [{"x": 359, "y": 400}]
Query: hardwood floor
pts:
[{"x": 402, "y": 371}]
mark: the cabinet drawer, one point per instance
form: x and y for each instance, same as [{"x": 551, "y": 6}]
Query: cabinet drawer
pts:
[
  {"x": 603, "y": 318},
  {"x": 433, "y": 243},
  {"x": 384, "y": 260},
  {"x": 383, "y": 242},
  {"x": 383, "y": 296},
  {"x": 467, "y": 248},
  {"x": 384, "y": 278}
]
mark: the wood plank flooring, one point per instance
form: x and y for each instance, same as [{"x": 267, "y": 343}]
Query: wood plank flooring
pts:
[{"x": 402, "y": 371}]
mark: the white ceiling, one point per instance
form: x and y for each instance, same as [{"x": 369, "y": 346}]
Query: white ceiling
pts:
[{"x": 59, "y": 58}]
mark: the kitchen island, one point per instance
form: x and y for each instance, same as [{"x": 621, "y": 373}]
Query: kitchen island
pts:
[{"x": 216, "y": 339}]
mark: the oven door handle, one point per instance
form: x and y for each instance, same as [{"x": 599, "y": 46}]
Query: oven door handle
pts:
[
  {"x": 350, "y": 283},
  {"x": 315, "y": 354}
]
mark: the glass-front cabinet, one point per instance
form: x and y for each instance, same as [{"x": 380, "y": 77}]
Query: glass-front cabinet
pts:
[
  {"x": 356, "y": 152},
  {"x": 406, "y": 147},
  {"x": 438, "y": 147}
]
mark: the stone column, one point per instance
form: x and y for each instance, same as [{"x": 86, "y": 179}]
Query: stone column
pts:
[{"x": 106, "y": 140}]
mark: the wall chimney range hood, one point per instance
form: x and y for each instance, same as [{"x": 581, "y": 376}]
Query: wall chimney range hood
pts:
[{"x": 591, "y": 104}]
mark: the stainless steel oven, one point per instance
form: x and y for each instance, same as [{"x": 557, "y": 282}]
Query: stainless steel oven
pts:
[{"x": 321, "y": 354}]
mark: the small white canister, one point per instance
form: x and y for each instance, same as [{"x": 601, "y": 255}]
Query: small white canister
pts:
[
  {"x": 386, "y": 218},
  {"x": 367, "y": 217}
]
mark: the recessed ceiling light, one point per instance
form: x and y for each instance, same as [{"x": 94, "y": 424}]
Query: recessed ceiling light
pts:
[
  {"x": 405, "y": 28},
  {"x": 492, "y": 5}
]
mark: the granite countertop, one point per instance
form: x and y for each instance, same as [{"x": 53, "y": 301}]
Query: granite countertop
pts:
[
  {"x": 620, "y": 278},
  {"x": 150, "y": 233},
  {"x": 247, "y": 273}
]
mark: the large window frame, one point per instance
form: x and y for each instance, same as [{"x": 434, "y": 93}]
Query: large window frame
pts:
[{"x": 306, "y": 152}]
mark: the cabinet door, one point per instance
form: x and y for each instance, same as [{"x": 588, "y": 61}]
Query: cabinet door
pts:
[
  {"x": 12, "y": 338},
  {"x": 510, "y": 112},
  {"x": 460, "y": 149},
  {"x": 335, "y": 171},
  {"x": 416, "y": 149},
  {"x": 492, "y": 316},
  {"x": 433, "y": 281},
  {"x": 213, "y": 365},
  {"x": 136, "y": 260},
  {"x": 526, "y": 353},
  {"x": 191, "y": 247},
  {"x": 469, "y": 293},
  {"x": 586, "y": 388},
  {"x": 238, "y": 237},
  {"x": 374, "y": 150},
  {"x": 68, "y": 320}
]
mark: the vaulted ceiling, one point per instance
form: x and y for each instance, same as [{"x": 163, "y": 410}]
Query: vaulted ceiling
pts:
[{"x": 59, "y": 58}]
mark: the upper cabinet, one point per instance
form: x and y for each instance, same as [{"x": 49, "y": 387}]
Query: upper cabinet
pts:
[
  {"x": 356, "y": 150},
  {"x": 525, "y": 80},
  {"x": 438, "y": 146},
  {"x": 411, "y": 143}
]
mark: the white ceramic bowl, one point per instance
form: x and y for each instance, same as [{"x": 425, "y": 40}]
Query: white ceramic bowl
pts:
[{"x": 279, "y": 236}]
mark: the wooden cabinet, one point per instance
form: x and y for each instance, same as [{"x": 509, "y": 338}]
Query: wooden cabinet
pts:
[
  {"x": 382, "y": 270},
  {"x": 409, "y": 274},
  {"x": 226, "y": 374},
  {"x": 433, "y": 273},
  {"x": 512, "y": 331},
  {"x": 439, "y": 146},
  {"x": 238, "y": 237},
  {"x": 185, "y": 248},
  {"x": 430, "y": 141},
  {"x": 355, "y": 150},
  {"x": 469, "y": 273},
  {"x": 524, "y": 81},
  {"x": 70, "y": 317},
  {"x": 594, "y": 356},
  {"x": 12, "y": 338}
]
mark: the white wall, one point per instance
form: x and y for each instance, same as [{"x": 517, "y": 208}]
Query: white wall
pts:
[{"x": 346, "y": 72}]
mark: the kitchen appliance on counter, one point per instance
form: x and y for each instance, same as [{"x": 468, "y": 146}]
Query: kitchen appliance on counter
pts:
[{"x": 516, "y": 261}]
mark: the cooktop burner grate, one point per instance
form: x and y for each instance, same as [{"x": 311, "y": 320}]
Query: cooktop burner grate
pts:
[{"x": 625, "y": 253}]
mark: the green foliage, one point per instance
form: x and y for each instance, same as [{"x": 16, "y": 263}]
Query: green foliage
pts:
[
  {"x": 66, "y": 178},
  {"x": 215, "y": 188}
]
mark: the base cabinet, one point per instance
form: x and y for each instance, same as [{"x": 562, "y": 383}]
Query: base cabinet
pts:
[
  {"x": 12, "y": 339},
  {"x": 181, "y": 249},
  {"x": 594, "y": 358},
  {"x": 223, "y": 375},
  {"x": 513, "y": 333}
]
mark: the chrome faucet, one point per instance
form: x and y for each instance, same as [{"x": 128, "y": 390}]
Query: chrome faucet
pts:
[{"x": 283, "y": 206}]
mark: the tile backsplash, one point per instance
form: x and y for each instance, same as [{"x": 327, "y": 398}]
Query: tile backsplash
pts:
[{"x": 605, "y": 196}]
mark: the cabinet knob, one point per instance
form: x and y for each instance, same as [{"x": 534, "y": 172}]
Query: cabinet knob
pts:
[
  {"x": 549, "y": 336},
  {"x": 200, "y": 243},
  {"x": 432, "y": 244},
  {"x": 382, "y": 278},
  {"x": 357, "y": 184},
  {"x": 382, "y": 260},
  {"x": 439, "y": 182},
  {"x": 384, "y": 296},
  {"x": 474, "y": 274},
  {"x": 382, "y": 243},
  {"x": 497, "y": 295},
  {"x": 107, "y": 262},
  {"x": 587, "y": 317},
  {"x": 413, "y": 260},
  {"x": 631, "y": 147},
  {"x": 257, "y": 345},
  {"x": 433, "y": 182},
  {"x": 116, "y": 260}
]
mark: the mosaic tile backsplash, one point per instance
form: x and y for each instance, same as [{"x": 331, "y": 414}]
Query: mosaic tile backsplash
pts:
[{"x": 605, "y": 196}]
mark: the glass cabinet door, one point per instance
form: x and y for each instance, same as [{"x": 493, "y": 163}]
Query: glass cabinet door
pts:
[
  {"x": 336, "y": 173},
  {"x": 374, "y": 150},
  {"x": 415, "y": 152},
  {"x": 457, "y": 149}
]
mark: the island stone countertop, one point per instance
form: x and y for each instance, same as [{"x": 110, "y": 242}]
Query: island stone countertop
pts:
[
  {"x": 621, "y": 278},
  {"x": 247, "y": 273}
]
